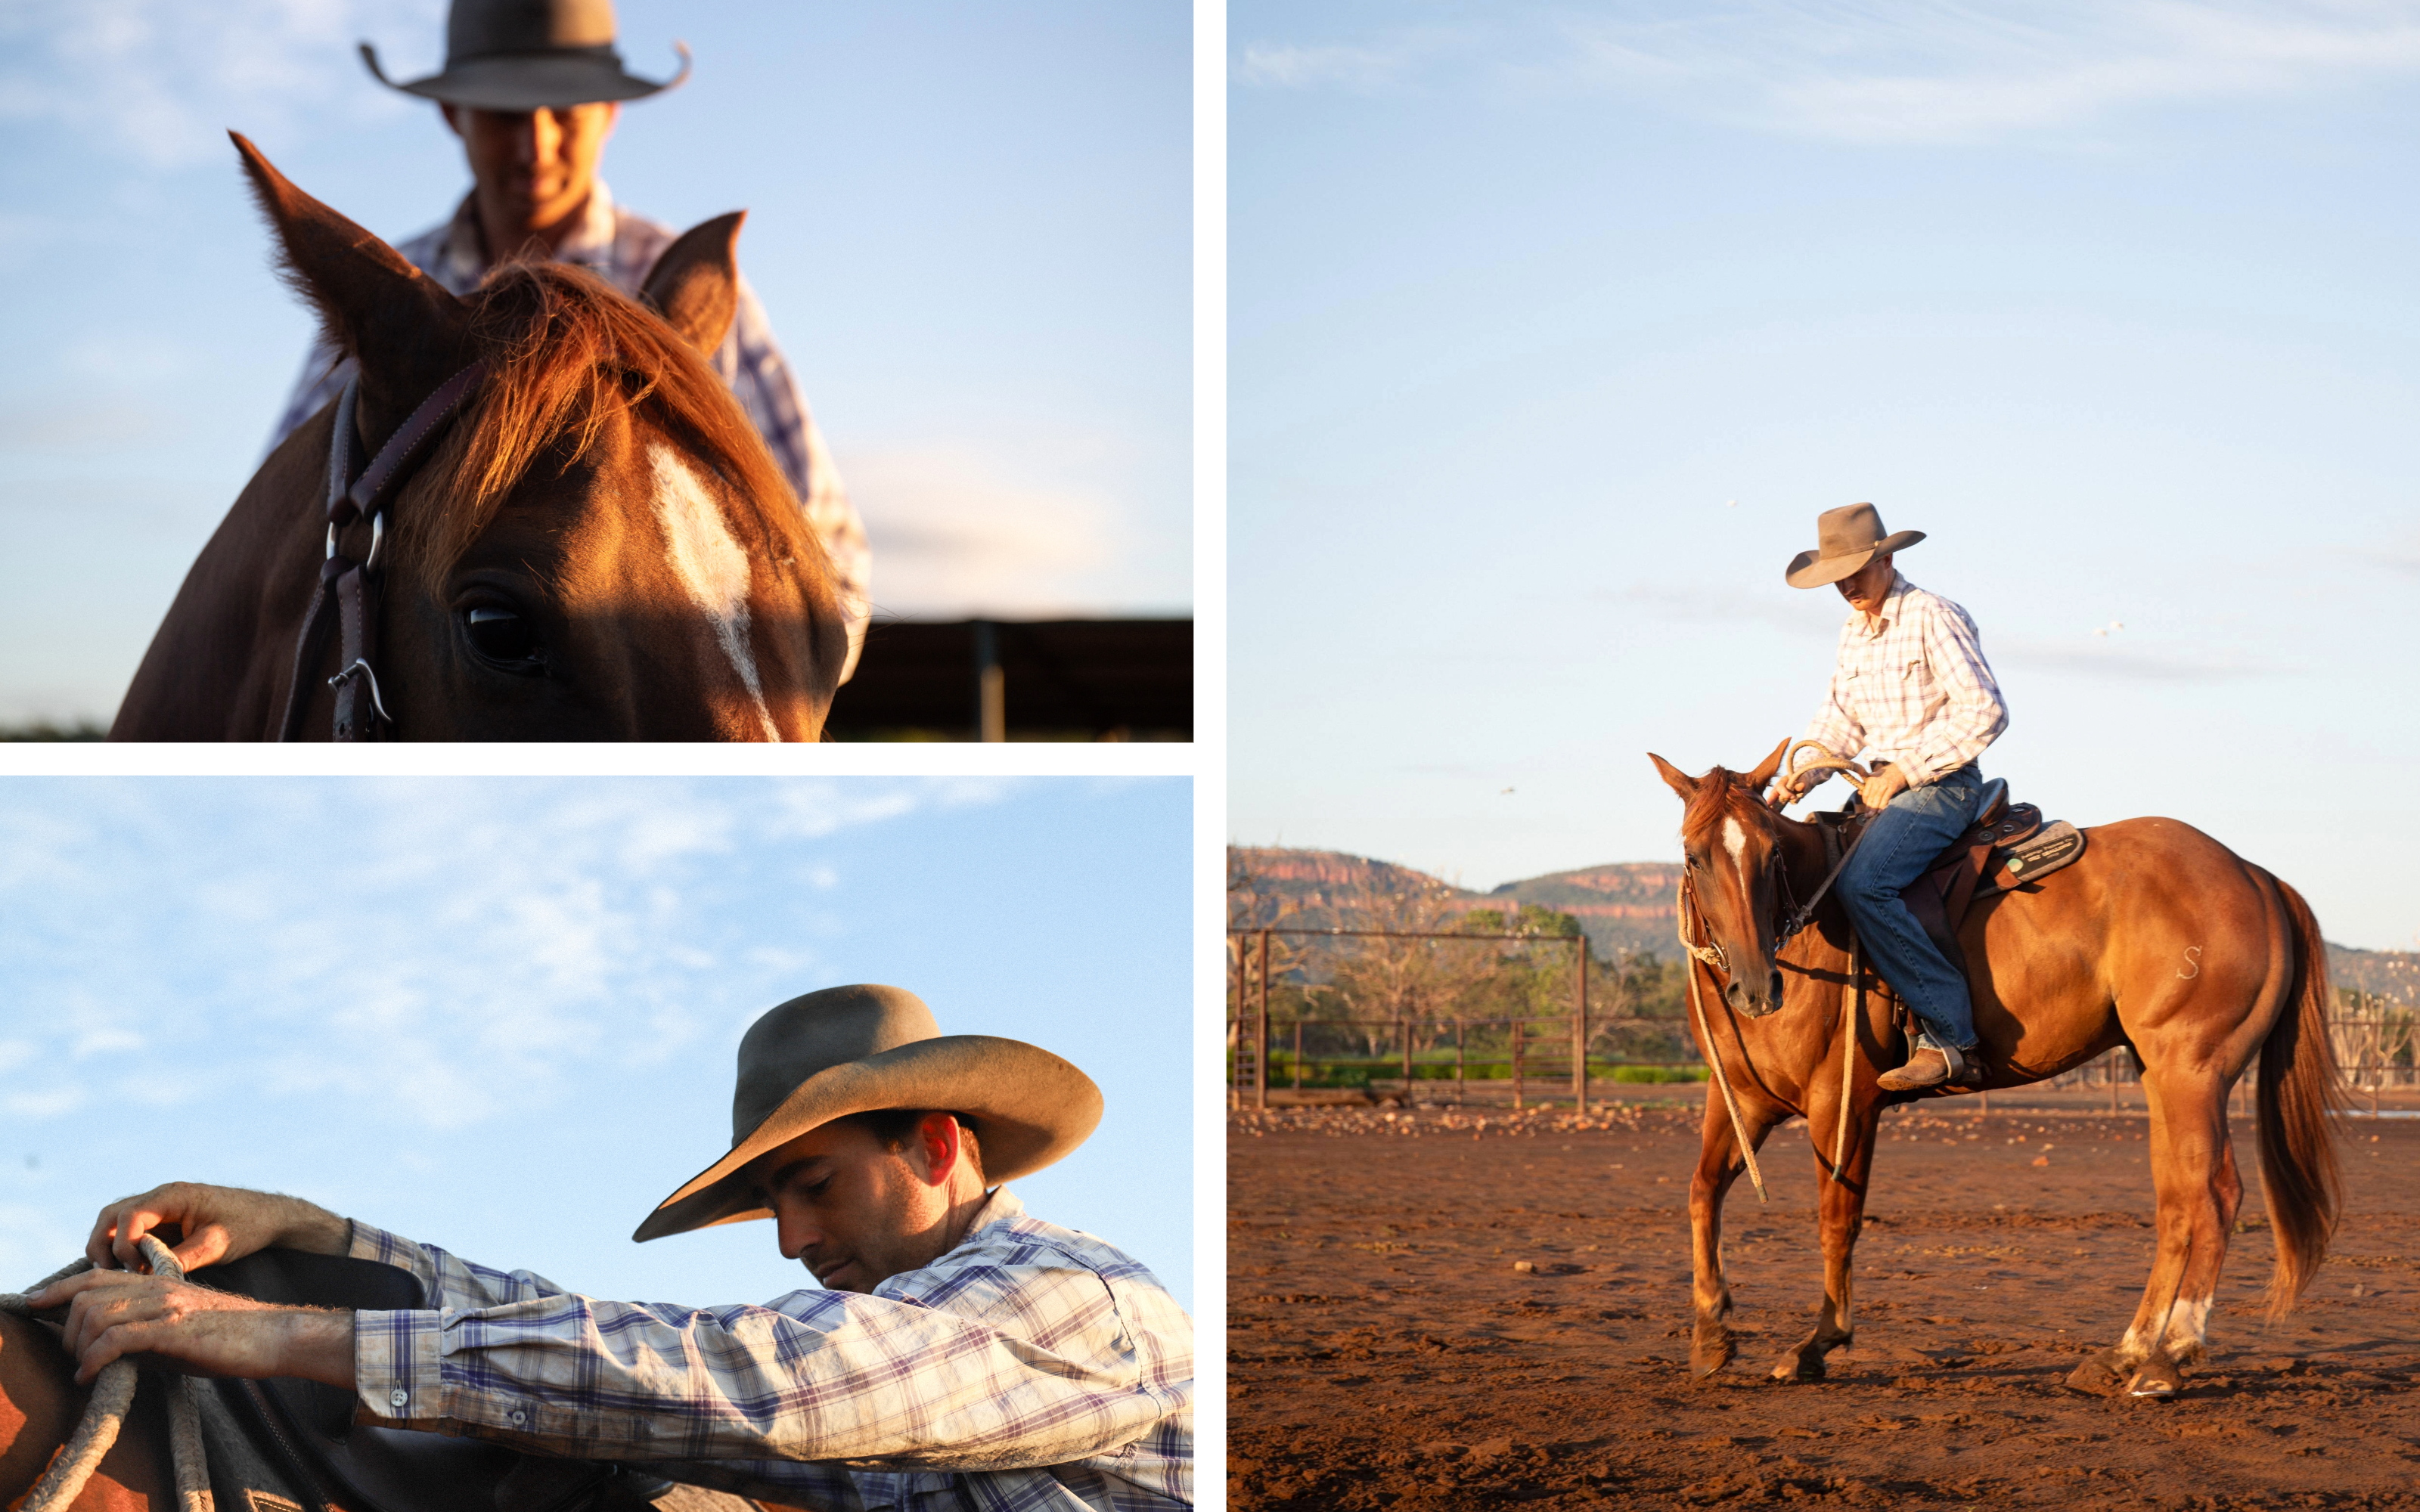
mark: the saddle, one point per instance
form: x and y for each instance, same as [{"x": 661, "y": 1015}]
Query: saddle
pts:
[
  {"x": 2009, "y": 848},
  {"x": 307, "y": 1428}
]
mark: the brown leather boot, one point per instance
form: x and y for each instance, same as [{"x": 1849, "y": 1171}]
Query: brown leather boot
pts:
[{"x": 1928, "y": 1066}]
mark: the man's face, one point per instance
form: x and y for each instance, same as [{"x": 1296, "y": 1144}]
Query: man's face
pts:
[
  {"x": 855, "y": 1211},
  {"x": 534, "y": 167},
  {"x": 1865, "y": 587}
]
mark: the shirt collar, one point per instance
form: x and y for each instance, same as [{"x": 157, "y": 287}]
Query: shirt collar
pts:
[
  {"x": 590, "y": 243},
  {"x": 1878, "y": 623}
]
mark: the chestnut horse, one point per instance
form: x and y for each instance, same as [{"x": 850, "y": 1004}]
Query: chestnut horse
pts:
[
  {"x": 596, "y": 545},
  {"x": 40, "y": 1407},
  {"x": 2158, "y": 938}
]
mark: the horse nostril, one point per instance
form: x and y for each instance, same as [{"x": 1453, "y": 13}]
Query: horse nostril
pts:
[
  {"x": 1776, "y": 987},
  {"x": 1736, "y": 996}
]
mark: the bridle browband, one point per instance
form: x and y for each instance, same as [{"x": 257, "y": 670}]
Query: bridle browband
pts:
[{"x": 348, "y": 590}]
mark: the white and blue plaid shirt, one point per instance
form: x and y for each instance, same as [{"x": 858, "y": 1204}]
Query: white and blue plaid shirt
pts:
[
  {"x": 1032, "y": 1368},
  {"x": 1911, "y": 684},
  {"x": 620, "y": 246}
]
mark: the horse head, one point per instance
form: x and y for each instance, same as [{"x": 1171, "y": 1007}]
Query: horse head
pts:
[
  {"x": 597, "y": 546},
  {"x": 1735, "y": 874}
]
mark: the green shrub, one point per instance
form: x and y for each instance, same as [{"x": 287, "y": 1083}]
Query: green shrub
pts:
[{"x": 1654, "y": 1075}]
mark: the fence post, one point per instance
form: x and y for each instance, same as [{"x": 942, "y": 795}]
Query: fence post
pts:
[
  {"x": 1404, "y": 1027},
  {"x": 1457, "y": 1063},
  {"x": 1297, "y": 1052},
  {"x": 1261, "y": 1057},
  {"x": 1579, "y": 1029},
  {"x": 1516, "y": 1065}
]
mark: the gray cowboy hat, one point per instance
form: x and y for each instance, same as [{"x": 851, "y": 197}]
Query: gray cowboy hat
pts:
[
  {"x": 862, "y": 1049},
  {"x": 530, "y": 54},
  {"x": 1846, "y": 539}
]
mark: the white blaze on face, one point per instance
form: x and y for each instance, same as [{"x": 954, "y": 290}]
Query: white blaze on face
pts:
[
  {"x": 1736, "y": 841},
  {"x": 711, "y": 566}
]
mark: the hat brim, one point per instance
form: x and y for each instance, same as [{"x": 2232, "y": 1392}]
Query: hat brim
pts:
[
  {"x": 531, "y": 81},
  {"x": 1807, "y": 570},
  {"x": 1028, "y": 1106}
]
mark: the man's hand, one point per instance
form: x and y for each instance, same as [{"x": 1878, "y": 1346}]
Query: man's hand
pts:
[
  {"x": 215, "y": 1223},
  {"x": 1882, "y": 787},
  {"x": 117, "y": 1313}
]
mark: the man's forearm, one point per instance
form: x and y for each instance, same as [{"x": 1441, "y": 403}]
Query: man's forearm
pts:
[
  {"x": 317, "y": 1345},
  {"x": 306, "y": 1225}
]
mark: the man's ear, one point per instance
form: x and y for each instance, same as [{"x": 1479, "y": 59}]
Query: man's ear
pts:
[
  {"x": 937, "y": 1138},
  {"x": 1674, "y": 778},
  {"x": 409, "y": 335},
  {"x": 695, "y": 285}
]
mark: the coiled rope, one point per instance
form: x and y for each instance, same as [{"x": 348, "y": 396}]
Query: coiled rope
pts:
[{"x": 104, "y": 1415}]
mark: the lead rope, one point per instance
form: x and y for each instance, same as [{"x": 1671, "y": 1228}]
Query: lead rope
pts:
[
  {"x": 1712, "y": 955},
  {"x": 104, "y": 1413},
  {"x": 1853, "y": 1012}
]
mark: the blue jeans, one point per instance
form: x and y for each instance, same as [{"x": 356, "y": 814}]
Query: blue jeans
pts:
[{"x": 1909, "y": 832}]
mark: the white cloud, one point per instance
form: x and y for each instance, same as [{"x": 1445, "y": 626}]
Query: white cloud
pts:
[
  {"x": 954, "y": 536},
  {"x": 1938, "y": 73},
  {"x": 161, "y": 81}
]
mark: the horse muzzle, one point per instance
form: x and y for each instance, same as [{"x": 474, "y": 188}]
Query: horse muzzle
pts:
[{"x": 1755, "y": 1005}]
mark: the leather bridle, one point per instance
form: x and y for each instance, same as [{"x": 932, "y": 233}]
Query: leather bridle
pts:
[{"x": 346, "y": 593}]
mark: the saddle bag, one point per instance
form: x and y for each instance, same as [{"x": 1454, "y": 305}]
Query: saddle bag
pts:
[{"x": 306, "y": 1430}]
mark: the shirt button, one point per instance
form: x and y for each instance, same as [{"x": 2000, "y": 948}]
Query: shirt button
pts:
[
  {"x": 519, "y": 1417},
  {"x": 397, "y": 1397}
]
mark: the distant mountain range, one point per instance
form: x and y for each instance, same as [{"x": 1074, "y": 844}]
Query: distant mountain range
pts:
[{"x": 1625, "y": 905}]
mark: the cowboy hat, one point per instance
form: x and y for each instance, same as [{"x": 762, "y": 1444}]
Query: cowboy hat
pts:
[
  {"x": 1846, "y": 539},
  {"x": 865, "y": 1048},
  {"x": 530, "y": 54}
]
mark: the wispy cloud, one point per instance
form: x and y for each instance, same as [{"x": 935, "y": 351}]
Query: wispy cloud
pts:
[
  {"x": 159, "y": 81},
  {"x": 1940, "y": 72},
  {"x": 2135, "y": 664},
  {"x": 956, "y": 534},
  {"x": 186, "y": 951},
  {"x": 1731, "y": 605}
]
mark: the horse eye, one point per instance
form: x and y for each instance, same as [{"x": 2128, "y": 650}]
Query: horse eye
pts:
[{"x": 502, "y": 636}]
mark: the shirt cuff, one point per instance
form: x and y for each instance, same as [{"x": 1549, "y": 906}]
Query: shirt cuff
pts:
[{"x": 398, "y": 1382}]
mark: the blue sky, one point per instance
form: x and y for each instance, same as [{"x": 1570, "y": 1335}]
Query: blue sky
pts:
[
  {"x": 500, "y": 1015},
  {"x": 971, "y": 226},
  {"x": 1553, "y": 329}
]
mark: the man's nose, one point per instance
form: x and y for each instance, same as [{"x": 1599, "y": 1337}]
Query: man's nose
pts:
[
  {"x": 541, "y": 140},
  {"x": 797, "y": 1236}
]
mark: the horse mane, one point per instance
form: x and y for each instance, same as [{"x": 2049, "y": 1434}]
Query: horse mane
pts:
[{"x": 566, "y": 353}]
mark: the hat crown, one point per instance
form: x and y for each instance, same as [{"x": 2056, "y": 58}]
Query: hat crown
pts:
[
  {"x": 483, "y": 28},
  {"x": 810, "y": 1035},
  {"x": 1849, "y": 529}
]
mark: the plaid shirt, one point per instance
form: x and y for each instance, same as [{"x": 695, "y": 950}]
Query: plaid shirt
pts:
[
  {"x": 620, "y": 247},
  {"x": 1912, "y": 685},
  {"x": 1030, "y": 1370}
]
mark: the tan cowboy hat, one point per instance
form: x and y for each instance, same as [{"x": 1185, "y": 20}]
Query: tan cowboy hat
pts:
[
  {"x": 862, "y": 1049},
  {"x": 1846, "y": 539},
  {"x": 530, "y": 54}
]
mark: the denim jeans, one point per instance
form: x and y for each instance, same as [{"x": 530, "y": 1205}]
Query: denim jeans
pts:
[{"x": 1910, "y": 831}]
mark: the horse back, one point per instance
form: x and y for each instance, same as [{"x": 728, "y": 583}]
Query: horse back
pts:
[{"x": 218, "y": 666}]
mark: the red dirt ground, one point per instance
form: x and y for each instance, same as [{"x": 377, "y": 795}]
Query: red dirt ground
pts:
[{"x": 1384, "y": 1352}]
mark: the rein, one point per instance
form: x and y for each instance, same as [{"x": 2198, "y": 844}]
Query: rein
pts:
[
  {"x": 104, "y": 1413},
  {"x": 346, "y": 593}
]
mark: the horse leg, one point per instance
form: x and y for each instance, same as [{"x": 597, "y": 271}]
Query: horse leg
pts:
[
  {"x": 40, "y": 1407},
  {"x": 1841, "y": 1206},
  {"x": 1719, "y": 1164},
  {"x": 2194, "y": 1177}
]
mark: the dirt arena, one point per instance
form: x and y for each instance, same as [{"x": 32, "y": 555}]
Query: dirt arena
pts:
[{"x": 1426, "y": 1313}]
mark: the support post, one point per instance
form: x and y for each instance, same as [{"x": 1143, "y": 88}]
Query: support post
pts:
[
  {"x": 1457, "y": 1063},
  {"x": 1261, "y": 1056},
  {"x": 1297, "y": 1052},
  {"x": 991, "y": 684},
  {"x": 1517, "y": 1088},
  {"x": 1579, "y": 1028}
]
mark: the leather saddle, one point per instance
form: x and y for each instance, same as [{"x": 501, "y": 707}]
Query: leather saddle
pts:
[
  {"x": 307, "y": 1428},
  {"x": 2009, "y": 848}
]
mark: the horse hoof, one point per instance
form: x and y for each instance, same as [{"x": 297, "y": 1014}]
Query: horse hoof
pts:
[
  {"x": 1707, "y": 1356},
  {"x": 2094, "y": 1377},
  {"x": 2158, "y": 1378},
  {"x": 1799, "y": 1367}
]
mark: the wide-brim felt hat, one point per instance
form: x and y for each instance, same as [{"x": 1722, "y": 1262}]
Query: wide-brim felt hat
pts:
[
  {"x": 530, "y": 54},
  {"x": 1846, "y": 539},
  {"x": 866, "y": 1048}
]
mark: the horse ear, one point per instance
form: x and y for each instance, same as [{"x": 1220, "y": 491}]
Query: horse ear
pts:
[
  {"x": 409, "y": 334},
  {"x": 695, "y": 285},
  {"x": 1765, "y": 769},
  {"x": 1674, "y": 777}
]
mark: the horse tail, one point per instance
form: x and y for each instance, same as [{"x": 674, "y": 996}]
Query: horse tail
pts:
[{"x": 2299, "y": 1098}]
